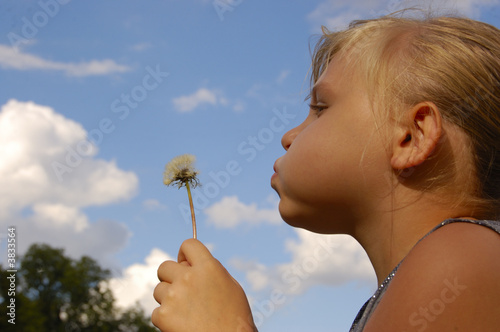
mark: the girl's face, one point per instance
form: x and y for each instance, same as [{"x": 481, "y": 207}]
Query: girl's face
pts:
[{"x": 335, "y": 165}]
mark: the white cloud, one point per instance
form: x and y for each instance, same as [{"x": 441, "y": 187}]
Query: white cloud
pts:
[
  {"x": 239, "y": 106},
  {"x": 12, "y": 58},
  {"x": 230, "y": 212},
  {"x": 471, "y": 8},
  {"x": 32, "y": 139},
  {"x": 140, "y": 47},
  {"x": 59, "y": 215},
  {"x": 316, "y": 259},
  {"x": 138, "y": 282},
  {"x": 200, "y": 97},
  {"x": 282, "y": 76},
  {"x": 203, "y": 97},
  {"x": 153, "y": 204},
  {"x": 335, "y": 14}
]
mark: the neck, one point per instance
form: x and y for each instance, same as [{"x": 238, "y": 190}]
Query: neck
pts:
[{"x": 388, "y": 236}]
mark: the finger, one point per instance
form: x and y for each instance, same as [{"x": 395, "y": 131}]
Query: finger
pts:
[
  {"x": 168, "y": 271},
  {"x": 158, "y": 317},
  {"x": 193, "y": 251},
  {"x": 161, "y": 292}
]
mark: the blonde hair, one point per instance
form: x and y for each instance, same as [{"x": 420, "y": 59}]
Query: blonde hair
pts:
[{"x": 451, "y": 61}]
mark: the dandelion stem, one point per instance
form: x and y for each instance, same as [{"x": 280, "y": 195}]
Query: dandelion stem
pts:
[{"x": 192, "y": 209}]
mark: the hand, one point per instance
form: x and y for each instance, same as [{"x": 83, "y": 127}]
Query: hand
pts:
[{"x": 198, "y": 294}]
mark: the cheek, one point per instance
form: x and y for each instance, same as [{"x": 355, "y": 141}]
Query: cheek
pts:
[
  {"x": 327, "y": 164},
  {"x": 305, "y": 168}
]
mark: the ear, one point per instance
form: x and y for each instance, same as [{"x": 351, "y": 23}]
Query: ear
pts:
[{"x": 417, "y": 136}]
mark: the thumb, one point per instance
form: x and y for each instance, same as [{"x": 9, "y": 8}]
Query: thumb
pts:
[{"x": 193, "y": 251}]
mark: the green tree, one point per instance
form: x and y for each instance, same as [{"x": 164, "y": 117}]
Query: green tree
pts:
[{"x": 55, "y": 293}]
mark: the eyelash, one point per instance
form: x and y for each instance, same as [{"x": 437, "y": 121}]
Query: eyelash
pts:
[{"x": 317, "y": 108}]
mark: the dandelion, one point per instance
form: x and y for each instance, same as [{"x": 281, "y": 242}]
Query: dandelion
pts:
[{"x": 181, "y": 172}]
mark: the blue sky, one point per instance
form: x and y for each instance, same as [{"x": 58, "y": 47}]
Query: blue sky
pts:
[{"x": 147, "y": 81}]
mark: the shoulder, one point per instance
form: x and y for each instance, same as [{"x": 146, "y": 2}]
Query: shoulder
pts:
[{"x": 449, "y": 281}]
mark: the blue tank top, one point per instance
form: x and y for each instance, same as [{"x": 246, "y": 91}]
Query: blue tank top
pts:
[{"x": 366, "y": 311}]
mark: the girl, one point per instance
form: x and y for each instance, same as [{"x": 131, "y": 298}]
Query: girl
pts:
[{"x": 401, "y": 150}]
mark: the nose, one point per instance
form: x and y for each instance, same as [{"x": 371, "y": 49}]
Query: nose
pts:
[{"x": 288, "y": 137}]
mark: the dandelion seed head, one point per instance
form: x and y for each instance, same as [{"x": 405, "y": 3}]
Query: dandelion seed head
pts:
[{"x": 180, "y": 170}]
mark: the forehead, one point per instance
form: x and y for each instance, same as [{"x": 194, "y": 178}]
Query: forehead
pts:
[{"x": 337, "y": 76}]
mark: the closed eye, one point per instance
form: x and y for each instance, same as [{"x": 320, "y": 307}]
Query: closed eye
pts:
[{"x": 317, "y": 108}]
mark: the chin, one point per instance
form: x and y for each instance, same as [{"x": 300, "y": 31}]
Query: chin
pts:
[
  {"x": 314, "y": 224},
  {"x": 298, "y": 221},
  {"x": 288, "y": 216}
]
